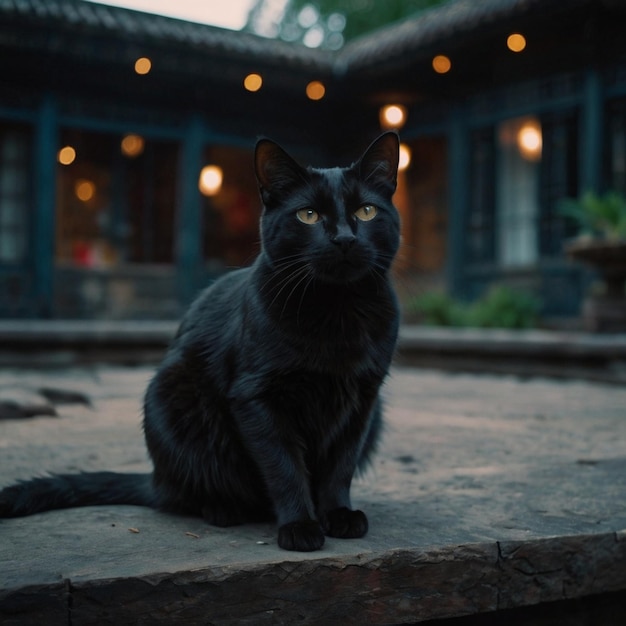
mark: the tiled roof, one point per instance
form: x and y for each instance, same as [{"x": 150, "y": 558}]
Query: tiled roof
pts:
[
  {"x": 83, "y": 17},
  {"x": 432, "y": 26},
  {"x": 449, "y": 20}
]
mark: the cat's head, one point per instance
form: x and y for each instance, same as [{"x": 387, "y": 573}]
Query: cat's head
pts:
[{"x": 338, "y": 222}]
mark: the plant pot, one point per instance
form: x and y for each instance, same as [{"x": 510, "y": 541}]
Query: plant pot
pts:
[{"x": 605, "y": 313}]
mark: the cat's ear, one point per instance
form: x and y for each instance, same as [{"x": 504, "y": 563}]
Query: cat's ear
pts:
[
  {"x": 276, "y": 171},
  {"x": 379, "y": 163}
]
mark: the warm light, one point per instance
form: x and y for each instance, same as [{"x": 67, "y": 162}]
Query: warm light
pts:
[
  {"x": 210, "y": 181},
  {"x": 516, "y": 42},
  {"x": 143, "y": 65},
  {"x": 253, "y": 82},
  {"x": 405, "y": 157},
  {"x": 66, "y": 155},
  {"x": 392, "y": 116},
  {"x": 529, "y": 140},
  {"x": 315, "y": 90},
  {"x": 85, "y": 190},
  {"x": 132, "y": 145},
  {"x": 441, "y": 64}
]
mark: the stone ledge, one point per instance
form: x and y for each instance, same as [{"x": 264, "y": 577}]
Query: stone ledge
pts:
[
  {"x": 557, "y": 354},
  {"x": 397, "y": 586}
]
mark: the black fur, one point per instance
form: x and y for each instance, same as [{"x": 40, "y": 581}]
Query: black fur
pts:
[{"x": 267, "y": 401}]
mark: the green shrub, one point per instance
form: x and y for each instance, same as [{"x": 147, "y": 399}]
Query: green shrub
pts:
[
  {"x": 438, "y": 309},
  {"x": 501, "y": 307},
  {"x": 597, "y": 216}
]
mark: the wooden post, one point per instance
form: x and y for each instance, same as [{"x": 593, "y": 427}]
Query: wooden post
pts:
[
  {"x": 458, "y": 186},
  {"x": 45, "y": 164},
  {"x": 591, "y": 133},
  {"x": 188, "y": 219}
]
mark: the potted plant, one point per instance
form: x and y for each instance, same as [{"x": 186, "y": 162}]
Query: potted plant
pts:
[{"x": 601, "y": 244}]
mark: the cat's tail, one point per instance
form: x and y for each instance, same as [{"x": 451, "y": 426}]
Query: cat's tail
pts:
[{"x": 64, "y": 491}]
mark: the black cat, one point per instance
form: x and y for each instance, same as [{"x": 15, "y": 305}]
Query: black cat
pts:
[{"x": 267, "y": 401}]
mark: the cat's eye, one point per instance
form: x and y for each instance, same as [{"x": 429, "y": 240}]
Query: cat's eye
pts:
[
  {"x": 308, "y": 216},
  {"x": 366, "y": 213}
]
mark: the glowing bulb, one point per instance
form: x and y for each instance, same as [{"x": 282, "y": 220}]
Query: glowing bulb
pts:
[
  {"x": 529, "y": 141},
  {"x": 315, "y": 90},
  {"x": 516, "y": 42},
  {"x": 132, "y": 145},
  {"x": 66, "y": 155},
  {"x": 253, "y": 82},
  {"x": 210, "y": 181},
  {"x": 405, "y": 157},
  {"x": 143, "y": 65},
  {"x": 393, "y": 116},
  {"x": 85, "y": 190},
  {"x": 442, "y": 64}
]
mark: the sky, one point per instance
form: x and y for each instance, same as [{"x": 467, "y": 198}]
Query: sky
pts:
[{"x": 224, "y": 13}]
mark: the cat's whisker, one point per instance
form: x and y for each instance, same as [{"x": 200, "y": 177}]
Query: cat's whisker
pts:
[
  {"x": 279, "y": 283},
  {"x": 311, "y": 278},
  {"x": 288, "y": 261},
  {"x": 282, "y": 268},
  {"x": 301, "y": 278},
  {"x": 293, "y": 276}
]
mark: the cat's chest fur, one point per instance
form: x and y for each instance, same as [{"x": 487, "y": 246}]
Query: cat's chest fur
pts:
[{"x": 338, "y": 329}]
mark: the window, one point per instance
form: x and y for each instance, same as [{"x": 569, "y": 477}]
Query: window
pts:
[
  {"x": 116, "y": 200},
  {"x": 517, "y": 191},
  {"x": 480, "y": 237},
  {"x": 231, "y": 208},
  {"x": 559, "y": 180},
  {"x": 520, "y": 170},
  {"x": 14, "y": 194},
  {"x": 422, "y": 202}
]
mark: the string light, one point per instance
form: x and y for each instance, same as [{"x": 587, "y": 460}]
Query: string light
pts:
[
  {"x": 85, "y": 190},
  {"x": 143, "y": 65},
  {"x": 442, "y": 64},
  {"x": 393, "y": 116},
  {"x": 529, "y": 140},
  {"x": 315, "y": 90},
  {"x": 253, "y": 82},
  {"x": 66, "y": 155},
  {"x": 132, "y": 145},
  {"x": 210, "y": 181},
  {"x": 516, "y": 42},
  {"x": 405, "y": 157}
]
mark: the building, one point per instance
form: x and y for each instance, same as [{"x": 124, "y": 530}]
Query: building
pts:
[{"x": 126, "y": 143}]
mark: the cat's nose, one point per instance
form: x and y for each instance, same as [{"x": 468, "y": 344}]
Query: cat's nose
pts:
[{"x": 344, "y": 240}]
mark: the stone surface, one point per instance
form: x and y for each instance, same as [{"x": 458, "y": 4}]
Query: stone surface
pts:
[
  {"x": 488, "y": 493},
  {"x": 22, "y": 403}
]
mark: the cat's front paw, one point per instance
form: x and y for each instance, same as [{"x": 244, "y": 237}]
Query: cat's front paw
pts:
[
  {"x": 301, "y": 536},
  {"x": 345, "y": 524}
]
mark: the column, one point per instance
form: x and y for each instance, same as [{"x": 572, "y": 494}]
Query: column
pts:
[
  {"x": 591, "y": 133},
  {"x": 458, "y": 193},
  {"x": 44, "y": 171},
  {"x": 189, "y": 219}
]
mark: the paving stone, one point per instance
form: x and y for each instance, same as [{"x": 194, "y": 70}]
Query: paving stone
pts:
[
  {"x": 488, "y": 492},
  {"x": 19, "y": 403}
]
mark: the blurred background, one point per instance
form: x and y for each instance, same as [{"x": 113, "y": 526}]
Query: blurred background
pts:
[{"x": 127, "y": 134}]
